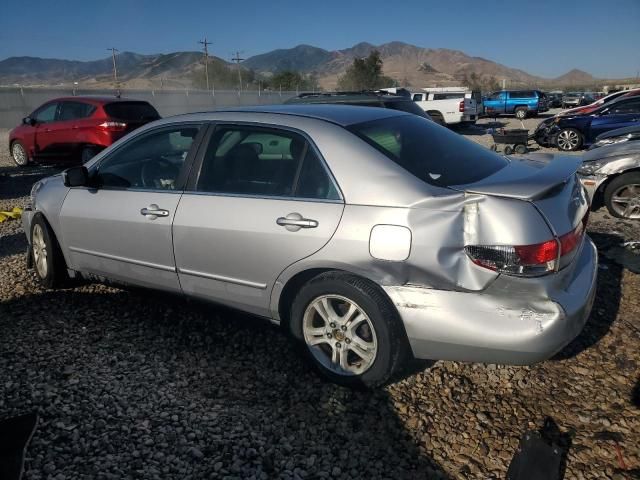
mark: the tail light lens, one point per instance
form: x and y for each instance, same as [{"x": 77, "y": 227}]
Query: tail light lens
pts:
[
  {"x": 528, "y": 260},
  {"x": 461, "y": 107},
  {"x": 113, "y": 126}
]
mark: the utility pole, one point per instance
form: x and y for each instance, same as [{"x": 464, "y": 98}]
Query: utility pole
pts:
[
  {"x": 206, "y": 58},
  {"x": 115, "y": 70},
  {"x": 237, "y": 59}
]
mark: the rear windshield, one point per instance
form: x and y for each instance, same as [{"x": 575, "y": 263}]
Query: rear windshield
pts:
[
  {"x": 432, "y": 153},
  {"x": 131, "y": 111},
  {"x": 406, "y": 106}
]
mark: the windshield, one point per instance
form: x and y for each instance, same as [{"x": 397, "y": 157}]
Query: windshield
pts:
[{"x": 432, "y": 153}]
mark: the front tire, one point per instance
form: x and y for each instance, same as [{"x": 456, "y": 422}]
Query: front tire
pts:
[
  {"x": 48, "y": 260},
  {"x": 349, "y": 330},
  {"x": 569, "y": 140},
  {"x": 622, "y": 196},
  {"x": 19, "y": 154}
]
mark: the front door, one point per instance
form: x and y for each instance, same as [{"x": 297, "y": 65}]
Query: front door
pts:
[
  {"x": 623, "y": 113},
  {"x": 120, "y": 228},
  {"x": 262, "y": 200},
  {"x": 44, "y": 137}
]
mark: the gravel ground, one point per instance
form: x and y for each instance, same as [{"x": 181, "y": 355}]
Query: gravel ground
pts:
[{"x": 130, "y": 384}]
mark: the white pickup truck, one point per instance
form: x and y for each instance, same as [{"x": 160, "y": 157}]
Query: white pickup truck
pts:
[{"x": 449, "y": 105}]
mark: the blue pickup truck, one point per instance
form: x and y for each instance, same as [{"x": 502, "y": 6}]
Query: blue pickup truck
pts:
[{"x": 522, "y": 103}]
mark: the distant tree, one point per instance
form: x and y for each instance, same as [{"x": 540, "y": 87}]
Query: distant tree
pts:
[
  {"x": 291, "y": 80},
  {"x": 365, "y": 74}
]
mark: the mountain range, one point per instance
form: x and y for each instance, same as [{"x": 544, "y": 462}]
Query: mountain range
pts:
[{"x": 407, "y": 64}]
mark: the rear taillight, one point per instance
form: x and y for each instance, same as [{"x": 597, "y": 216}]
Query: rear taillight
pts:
[
  {"x": 528, "y": 260},
  {"x": 113, "y": 126},
  {"x": 461, "y": 107}
]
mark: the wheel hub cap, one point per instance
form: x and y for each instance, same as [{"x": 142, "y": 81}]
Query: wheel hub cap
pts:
[
  {"x": 39, "y": 251},
  {"x": 626, "y": 201},
  {"x": 340, "y": 335}
]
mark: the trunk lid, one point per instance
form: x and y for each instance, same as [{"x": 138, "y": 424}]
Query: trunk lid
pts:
[{"x": 547, "y": 181}]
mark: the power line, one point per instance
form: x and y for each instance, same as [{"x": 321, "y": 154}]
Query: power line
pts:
[
  {"x": 206, "y": 58},
  {"x": 237, "y": 59}
]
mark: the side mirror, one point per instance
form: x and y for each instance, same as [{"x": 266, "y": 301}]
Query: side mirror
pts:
[
  {"x": 29, "y": 121},
  {"x": 76, "y": 176}
]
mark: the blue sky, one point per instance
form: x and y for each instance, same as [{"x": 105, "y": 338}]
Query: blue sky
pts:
[{"x": 543, "y": 37}]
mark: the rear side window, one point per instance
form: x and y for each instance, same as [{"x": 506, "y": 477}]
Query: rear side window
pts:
[
  {"x": 75, "y": 111},
  {"x": 522, "y": 94},
  {"x": 258, "y": 161},
  {"x": 433, "y": 154},
  {"x": 131, "y": 111},
  {"x": 406, "y": 106},
  {"x": 447, "y": 96}
]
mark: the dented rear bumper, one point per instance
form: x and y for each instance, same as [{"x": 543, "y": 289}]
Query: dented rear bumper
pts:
[{"x": 513, "y": 321}]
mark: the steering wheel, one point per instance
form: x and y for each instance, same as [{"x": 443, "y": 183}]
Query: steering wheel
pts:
[{"x": 157, "y": 169}]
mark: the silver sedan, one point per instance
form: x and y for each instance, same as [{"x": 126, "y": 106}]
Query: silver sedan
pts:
[{"x": 370, "y": 235}]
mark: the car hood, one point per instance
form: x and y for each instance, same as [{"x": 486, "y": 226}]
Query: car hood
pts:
[
  {"x": 615, "y": 150},
  {"x": 527, "y": 178}
]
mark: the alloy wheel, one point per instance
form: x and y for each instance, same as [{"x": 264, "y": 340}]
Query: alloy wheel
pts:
[
  {"x": 626, "y": 201},
  {"x": 39, "y": 251},
  {"x": 568, "y": 140},
  {"x": 19, "y": 154},
  {"x": 340, "y": 335}
]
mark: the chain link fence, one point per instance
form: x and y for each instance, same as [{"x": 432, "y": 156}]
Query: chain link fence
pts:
[{"x": 18, "y": 102}]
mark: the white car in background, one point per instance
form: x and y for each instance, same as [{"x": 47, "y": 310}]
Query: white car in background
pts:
[{"x": 449, "y": 105}]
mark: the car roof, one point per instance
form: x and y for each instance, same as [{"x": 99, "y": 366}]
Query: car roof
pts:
[
  {"x": 343, "y": 115},
  {"x": 351, "y": 97},
  {"x": 95, "y": 99}
]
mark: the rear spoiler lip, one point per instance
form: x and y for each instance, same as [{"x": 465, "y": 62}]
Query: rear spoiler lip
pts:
[{"x": 558, "y": 171}]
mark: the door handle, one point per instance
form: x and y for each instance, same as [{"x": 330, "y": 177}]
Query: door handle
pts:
[
  {"x": 75, "y": 127},
  {"x": 153, "y": 211},
  {"x": 294, "y": 222}
]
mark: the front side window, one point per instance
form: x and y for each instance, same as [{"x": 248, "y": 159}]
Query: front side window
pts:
[
  {"x": 74, "y": 111},
  {"x": 632, "y": 106},
  {"x": 417, "y": 97},
  {"x": 263, "y": 162},
  {"x": 436, "y": 156},
  {"x": 46, "y": 114},
  {"x": 151, "y": 162}
]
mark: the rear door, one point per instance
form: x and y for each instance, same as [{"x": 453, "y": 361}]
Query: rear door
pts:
[
  {"x": 72, "y": 125},
  {"x": 621, "y": 114},
  {"x": 259, "y": 200},
  {"x": 120, "y": 228}
]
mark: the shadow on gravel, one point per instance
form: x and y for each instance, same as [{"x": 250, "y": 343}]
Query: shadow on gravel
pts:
[
  {"x": 17, "y": 182},
  {"x": 12, "y": 244},
  {"x": 635, "y": 395},
  {"x": 606, "y": 304},
  {"x": 234, "y": 379}
]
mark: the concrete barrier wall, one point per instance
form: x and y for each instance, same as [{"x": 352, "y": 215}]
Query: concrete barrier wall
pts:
[{"x": 16, "y": 103}]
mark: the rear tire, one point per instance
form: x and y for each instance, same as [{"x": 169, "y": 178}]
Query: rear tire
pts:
[
  {"x": 438, "y": 118},
  {"x": 371, "y": 341},
  {"x": 19, "y": 154},
  {"x": 521, "y": 113},
  {"x": 622, "y": 194},
  {"x": 48, "y": 260},
  {"x": 569, "y": 140}
]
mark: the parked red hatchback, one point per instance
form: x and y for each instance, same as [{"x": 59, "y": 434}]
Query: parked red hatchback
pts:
[{"x": 74, "y": 129}]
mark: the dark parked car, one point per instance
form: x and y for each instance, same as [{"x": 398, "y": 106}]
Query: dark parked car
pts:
[
  {"x": 576, "y": 131},
  {"x": 382, "y": 99},
  {"x": 576, "y": 99},
  {"x": 554, "y": 100},
  {"x": 76, "y": 128}
]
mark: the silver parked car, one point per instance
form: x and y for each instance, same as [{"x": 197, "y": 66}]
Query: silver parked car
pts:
[
  {"x": 369, "y": 234},
  {"x": 611, "y": 175}
]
